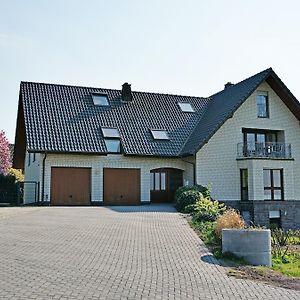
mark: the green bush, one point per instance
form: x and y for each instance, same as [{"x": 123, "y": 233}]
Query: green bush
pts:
[
  {"x": 206, "y": 230},
  {"x": 206, "y": 209},
  {"x": 186, "y": 199},
  {"x": 186, "y": 196}
]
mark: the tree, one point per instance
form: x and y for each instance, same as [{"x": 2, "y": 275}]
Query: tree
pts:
[
  {"x": 4, "y": 154},
  {"x": 19, "y": 176}
]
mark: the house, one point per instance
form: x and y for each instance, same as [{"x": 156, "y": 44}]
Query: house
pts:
[{"x": 89, "y": 146}]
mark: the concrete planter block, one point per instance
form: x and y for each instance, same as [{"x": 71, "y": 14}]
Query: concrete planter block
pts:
[{"x": 254, "y": 245}]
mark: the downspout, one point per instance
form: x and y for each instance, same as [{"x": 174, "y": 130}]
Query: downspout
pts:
[
  {"x": 43, "y": 177},
  {"x": 194, "y": 170}
]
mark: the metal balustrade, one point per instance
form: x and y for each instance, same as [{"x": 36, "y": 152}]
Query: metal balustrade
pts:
[{"x": 264, "y": 150}]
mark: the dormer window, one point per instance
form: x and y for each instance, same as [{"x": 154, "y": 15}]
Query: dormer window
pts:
[
  {"x": 262, "y": 104},
  {"x": 100, "y": 99},
  {"x": 112, "y": 139},
  {"x": 159, "y": 134},
  {"x": 186, "y": 107}
]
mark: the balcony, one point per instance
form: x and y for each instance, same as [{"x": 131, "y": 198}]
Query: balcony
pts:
[{"x": 264, "y": 150}]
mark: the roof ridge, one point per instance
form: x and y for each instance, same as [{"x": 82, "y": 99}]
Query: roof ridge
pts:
[
  {"x": 109, "y": 89},
  {"x": 267, "y": 71}
]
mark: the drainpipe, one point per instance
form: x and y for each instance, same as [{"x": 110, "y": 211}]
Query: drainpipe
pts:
[
  {"x": 194, "y": 170},
  {"x": 43, "y": 177}
]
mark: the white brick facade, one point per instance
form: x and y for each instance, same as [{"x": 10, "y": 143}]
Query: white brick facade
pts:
[
  {"x": 217, "y": 164},
  {"x": 97, "y": 163}
]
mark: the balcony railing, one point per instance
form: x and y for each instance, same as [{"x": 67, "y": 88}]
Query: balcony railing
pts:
[{"x": 264, "y": 150}]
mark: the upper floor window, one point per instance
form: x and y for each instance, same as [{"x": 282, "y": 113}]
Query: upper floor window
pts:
[
  {"x": 113, "y": 145},
  {"x": 185, "y": 107},
  {"x": 112, "y": 139},
  {"x": 273, "y": 184},
  {"x": 110, "y": 132},
  {"x": 262, "y": 105},
  {"x": 159, "y": 134},
  {"x": 100, "y": 99}
]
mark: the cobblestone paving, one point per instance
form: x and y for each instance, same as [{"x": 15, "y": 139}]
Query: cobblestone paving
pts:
[{"x": 146, "y": 252}]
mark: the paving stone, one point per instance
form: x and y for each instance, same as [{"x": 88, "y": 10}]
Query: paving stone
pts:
[{"x": 142, "y": 252}]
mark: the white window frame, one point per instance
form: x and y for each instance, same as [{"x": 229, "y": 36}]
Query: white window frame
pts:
[
  {"x": 186, "y": 107},
  {"x": 104, "y": 97},
  {"x": 155, "y": 134}
]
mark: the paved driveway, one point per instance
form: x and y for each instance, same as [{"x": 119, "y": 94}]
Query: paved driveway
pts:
[{"x": 147, "y": 252}]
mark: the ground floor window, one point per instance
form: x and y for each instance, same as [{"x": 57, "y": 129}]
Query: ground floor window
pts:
[
  {"x": 244, "y": 184},
  {"x": 273, "y": 184},
  {"x": 158, "y": 181},
  {"x": 275, "y": 219}
]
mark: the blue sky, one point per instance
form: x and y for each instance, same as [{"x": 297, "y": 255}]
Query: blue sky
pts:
[{"x": 187, "y": 47}]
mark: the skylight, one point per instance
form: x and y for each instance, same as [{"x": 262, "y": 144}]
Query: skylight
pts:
[
  {"x": 159, "y": 134},
  {"x": 110, "y": 132},
  {"x": 185, "y": 107},
  {"x": 100, "y": 99},
  {"x": 113, "y": 145}
]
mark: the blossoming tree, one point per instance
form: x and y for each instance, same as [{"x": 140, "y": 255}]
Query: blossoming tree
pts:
[{"x": 4, "y": 154}]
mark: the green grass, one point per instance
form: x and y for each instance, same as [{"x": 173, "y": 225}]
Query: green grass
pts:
[{"x": 289, "y": 265}]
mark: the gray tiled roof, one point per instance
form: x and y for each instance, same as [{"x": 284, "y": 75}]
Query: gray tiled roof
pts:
[
  {"x": 63, "y": 118},
  {"x": 222, "y": 106}
]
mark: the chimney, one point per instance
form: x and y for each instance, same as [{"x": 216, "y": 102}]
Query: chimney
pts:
[
  {"x": 228, "y": 84},
  {"x": 126, "y": 92}
]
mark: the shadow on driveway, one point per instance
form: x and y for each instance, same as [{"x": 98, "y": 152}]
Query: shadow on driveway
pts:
[{"x": 165, "y": 208}]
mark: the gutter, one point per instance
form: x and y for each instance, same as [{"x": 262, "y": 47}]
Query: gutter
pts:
[{"x": 43, "y": 177}]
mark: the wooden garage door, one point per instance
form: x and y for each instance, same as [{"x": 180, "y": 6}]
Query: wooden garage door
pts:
[
  {"x": 70, "y": 186},
  {"x": 121, "y": 186}
]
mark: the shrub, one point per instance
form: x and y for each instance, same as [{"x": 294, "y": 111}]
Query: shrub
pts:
[
  {"x": 206, "y": 230},
  {"x": 187, "y": 198},
  {"x": 8, "y": 189},
  {"x": 230, "y": 219},
  {"x": 280, "y": 242},
  {"x": 206, "y": 209},
  {"x": 202, "y": 189},
  {"x": 19, "y": 176},
  {"x": 188, "y": 195}
]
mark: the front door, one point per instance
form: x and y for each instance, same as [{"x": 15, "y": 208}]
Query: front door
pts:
[{"x": 164, "y": 183}]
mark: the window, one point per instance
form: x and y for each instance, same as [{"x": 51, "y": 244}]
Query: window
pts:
[
  {"x": 159, "y": 134},
  {"x": 259, "y": 142},
  {"x": 185, "y": 107},
  {"x": 275, "y": 219},
  {"x": 34, "y": 156},
  {"x": 244, "y": 184},
  {"x": 158, "y": 181},
  {"x": 112, "y": 139},
  {"x": 273, "y": 184},
  {"x": 110, "y": 132},
  {"x": 262, "y": 104},
  {"x": 112, "y": 145},
  {"x": 29, "y": 158},
  {"x": 100, "y": 99}
]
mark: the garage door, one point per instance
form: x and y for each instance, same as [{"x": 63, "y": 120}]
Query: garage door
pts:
[
  {"x": 121, "y": 186},
  {"x": 70, "y": 186}
]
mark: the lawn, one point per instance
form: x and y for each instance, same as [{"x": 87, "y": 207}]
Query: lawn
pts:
[{"x": 289, "y": 265}]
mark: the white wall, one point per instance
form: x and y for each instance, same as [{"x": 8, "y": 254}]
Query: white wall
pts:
[
  {"x": 32, "y": 173},
  {"x": 216, "y": 161},
  {"x": 97, "y": 163}
]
